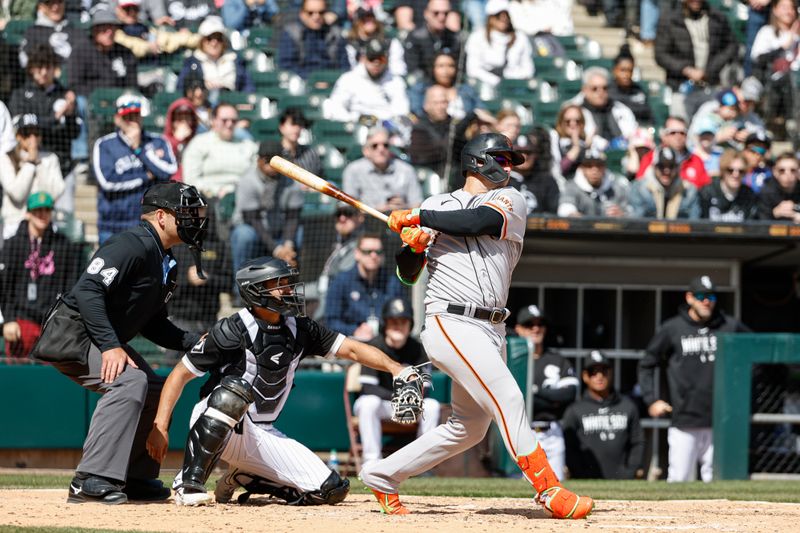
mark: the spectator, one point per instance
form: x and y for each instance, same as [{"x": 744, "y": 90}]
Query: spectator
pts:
[
  {"x": 366, "y": 27},
  {"x": 240, "y": 15},
  {"x": 411, "y": 14},
  {"x": 641, "y": 144},
  {"x": 434, "y": 37},
  {"x": 756, "y": 152},
  {"x": 661, "y": 194},
  {"x": 368, "y": 90},
  {"x": 194, "y": 90},
  {"x": 309, "y": 44},
  {"x": 744, "y": 115},
  {"x": 534, "y": 17},
  {"x": 554, "y": 383},
  {"x": 685, "y": 347},
  {"x": 594, "y": 191},
  {"x": 180, "y": 127},
  {"x": 731, "y": 129},
  {"x": 36, "y": 264},
  {"x": 693, "y": 44},
  {"x": 379, "y": 179},
  {"x": 348, "y": 224},
  {"x": 24, "y": 170},
  {"x": 749, "y": 93},
  {"x": 571, "y": 138},
  {"x": 51, "y": 28},
  {"x": 221, "y": 70},
  {"x": 497, "y": 52},
  {"x": 7, "y": 137},
  {"x": 602, "y": 430},
  {"x": 98, "y": 61},
  {"x": 534, "y": 178},
  {"x": 54, "y": 106},
  {"x": 190, "y": 13},
  {"x": 462, "y": 98},
  {"x": 373, "y": 403},
  {"x": 727, "y": 199},
  {"x": 705, "y": 146},
  {"x": 126, "y": 162},
  {"x": 143, "y": 41},
  {"x": 291, "y": 124},
  {"x": 430, "y": 136},
  {"x": 213, "y": 161},
  {"x": 673, "y": 136},
  {"x": 509, "y": 124},
  {"x": 356, "y": 296},
  {"x": 611, "y": 121},
  {"x": 775, "y": 50},
  {"x": 152, "y": 12},
  {"x": 779, "y": 199},
  {"x": 23, "y": 9},
  {"x": 623, "y": 89},
  {"x": 758, "y": 12},
  {"x": 265, "y": 218}
]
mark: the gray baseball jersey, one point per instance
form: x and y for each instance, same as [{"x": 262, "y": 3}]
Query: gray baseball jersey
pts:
[{"x": 476, "y": 270}]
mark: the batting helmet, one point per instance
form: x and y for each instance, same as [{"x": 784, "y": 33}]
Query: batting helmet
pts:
[
  {"x": 252, "y": 281},
  {"x": 188, "y": 205},
  {"x": 396, "y": 308},
  {"x": 479, "y": 154}
]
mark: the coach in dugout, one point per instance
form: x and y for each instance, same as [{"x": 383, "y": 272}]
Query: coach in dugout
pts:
[
  {"x": 686, "y": 346},
  {"x": 122, "y": 293}
]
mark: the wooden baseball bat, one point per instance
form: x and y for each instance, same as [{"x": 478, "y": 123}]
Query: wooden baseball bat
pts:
[{"x": 301, "y": 175}]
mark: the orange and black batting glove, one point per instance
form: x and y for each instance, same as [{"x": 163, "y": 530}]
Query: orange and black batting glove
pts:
[
  {"x": 403, "y": 218},
  {"x": 416, "y": 239}
]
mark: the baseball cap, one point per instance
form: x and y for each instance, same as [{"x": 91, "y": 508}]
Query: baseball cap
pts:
[
  {"x": 706, "y": 124},
  {"x": 25, "y": 120},
  {"x": 104, "y": 15},
  {"x": 269, "y": 149},
  {"x": 211, "y": 25},
  {"x": 163, "y": 195},
  {"x": 363, "y": 12},
  {"x": 665, "y": 156},
  {"x": 375, "y": 49},
  {"x": 128, "y": 3},
  {"x": 593, "y": 155},
  {"x": 751, "y": 89},
  {"x": 344, "y": 209},
  {"x": 494, "y": 7},
  {"x": 702, "y": 284},
  {"x": 642, "y": 138},
  {"x": 727, "y": 97},
  {"x": 529, "y": 314},
  {"x": 40, "y": 199},
  {"x": 758, "y": 136},
  {"x": 596, "y": 358},
  {"x": 128, "y": 103}
]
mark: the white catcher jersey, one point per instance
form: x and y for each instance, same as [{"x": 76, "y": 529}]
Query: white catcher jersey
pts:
[{"x": 476, "y": 270}]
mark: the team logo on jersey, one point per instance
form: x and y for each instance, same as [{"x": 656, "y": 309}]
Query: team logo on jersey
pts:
[
  {"x": 506, "y": 201},
  {"x": 276, "y": 358}
]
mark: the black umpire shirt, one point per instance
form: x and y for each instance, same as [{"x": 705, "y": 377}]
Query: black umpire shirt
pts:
[{"x": 125, "y": 289}]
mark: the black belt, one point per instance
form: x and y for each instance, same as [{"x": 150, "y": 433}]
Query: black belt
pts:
[{"x": 494, "y": 315}]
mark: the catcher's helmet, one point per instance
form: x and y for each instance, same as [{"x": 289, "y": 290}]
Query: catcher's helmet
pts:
[
  {"x": 252, "y": 281},
  {"x": 188, "y": 205},
  {"x": 478, "y": 156},
  {"x": 396, "y": 308}
]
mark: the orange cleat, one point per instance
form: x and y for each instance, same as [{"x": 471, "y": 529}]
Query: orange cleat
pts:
[
  {"x": 390, "y": 503},
  {"x": 550, "y": 493}
]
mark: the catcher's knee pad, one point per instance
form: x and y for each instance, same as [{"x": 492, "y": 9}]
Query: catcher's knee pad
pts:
[{"x": 226, "y": 406}]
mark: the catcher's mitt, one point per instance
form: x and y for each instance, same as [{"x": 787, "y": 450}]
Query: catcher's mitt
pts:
[{"x": 407, "y": 395}]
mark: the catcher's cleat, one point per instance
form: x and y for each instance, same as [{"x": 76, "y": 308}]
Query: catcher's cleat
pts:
[
  {"x": 562, "y": 503},
  {"x": 191, "y": 498},
  {"x": 225, "y": 487},
  {"x": 390, "y": 503}
]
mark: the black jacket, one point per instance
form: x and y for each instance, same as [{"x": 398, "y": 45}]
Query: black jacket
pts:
[
  {"x": 381, "y": 383},
  {"x": 674, "y": 50},
  {"x": 715, "y": 205},
  {"x": 604, "y": 439},
  {"x": 687, "y": 350},
  {"x": 33, "y": 274},
  {"x": 540, "y": 190},
  {"x": 57, "y": 135},
  {"x": 771, "y": 195},
  {"x": 63, "y": 44},
  {"x": 124, "y": 292},
  {"x": 422, "y": 46},
  {"x": 555, "y": 386},
  {"x": 201, "y": 302},
  {"x": 635, "y": 98},
  {"x": 90, "y": 69},
  {"x": 429, "y": 142}
]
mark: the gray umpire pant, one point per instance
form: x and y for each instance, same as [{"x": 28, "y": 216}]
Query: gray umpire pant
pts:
[{"x": 115, "y": 446}]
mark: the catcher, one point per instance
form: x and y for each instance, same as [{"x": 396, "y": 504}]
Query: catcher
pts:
[{"x": 252, "y": 357}]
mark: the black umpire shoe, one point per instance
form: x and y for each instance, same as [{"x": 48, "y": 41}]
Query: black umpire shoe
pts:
[
  {"x": 146, "y": 490},
  {"x": 89, "y": 488}
]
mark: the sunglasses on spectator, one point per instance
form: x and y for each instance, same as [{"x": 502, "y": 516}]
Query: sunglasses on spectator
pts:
[
  {"x": 370, "y": 251},
  {"x": 672, "y": 131},
  {"x": 439, "y": 13},
  {"x": 760, "y": 150},
  {"x": 216, "y": 37},
  {"x": 735, "y": 170},
  {"x": 666, "y": 169},
  {"x": 344, "y": 213},
  {"x": 783, "y": 170},
  {"x": 130, "y": 8},
  {"x": 532, "y": 324},
  {"x": 311, "y": 13},
  {"x": 573, "y": 121},
  {"x": 598, "y": 88},
  {"x": 378, "y": 145},
  {"x": 597, "y": 370},
  {"x": 226, "y": 120},
  {"x": 710, "y": 296}
]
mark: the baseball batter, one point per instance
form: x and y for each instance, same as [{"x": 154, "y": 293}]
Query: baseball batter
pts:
[{"x": 471, "y": 253}]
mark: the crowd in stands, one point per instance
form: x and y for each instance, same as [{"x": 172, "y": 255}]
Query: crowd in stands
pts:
[{"x": 378, "y": 98}]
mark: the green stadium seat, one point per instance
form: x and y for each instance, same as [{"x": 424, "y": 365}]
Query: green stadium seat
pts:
[
  {"x": 250, "y": 106},
  {"x": 260, "y": 37},
  {"x": 256, "y": 60},
  {"x": 69, "y": 226},
  {"x": 265, "y": 129},
  {"x": 603, "y": 62},
  {"x": 430, "y": 182},
  {"x": 614, "y": 161},
  {"x": 329, "y": 155},
  {"x": 522, "y": 90},
  {"x": 162, "y": 100},
  {"x": 316, "y": 204},
  {"x": 524, "y": 112},
  {"x": 102, "y": 101},
  {"x": 545, "y": 113},
  {"x": 322, "y": 81},
  {"x": 14, "y": 32},
  {"x": 338, "y": 134}
]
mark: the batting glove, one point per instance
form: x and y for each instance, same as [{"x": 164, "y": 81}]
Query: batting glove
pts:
[
  {"x": 416, "y": 239},
  {"x": 403, "y": 218}
]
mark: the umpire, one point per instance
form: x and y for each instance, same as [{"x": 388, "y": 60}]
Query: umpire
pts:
[{"x": 122, "y": 293}]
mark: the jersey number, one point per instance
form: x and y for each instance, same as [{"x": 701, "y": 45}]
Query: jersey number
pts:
[{"x": 108, "y": 275}]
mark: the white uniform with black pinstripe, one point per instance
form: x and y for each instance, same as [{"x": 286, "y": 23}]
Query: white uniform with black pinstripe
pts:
[{"x": 475, "y": 271}]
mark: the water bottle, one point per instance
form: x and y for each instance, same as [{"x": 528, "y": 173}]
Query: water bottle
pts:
[{"x": 333, "y": 461}]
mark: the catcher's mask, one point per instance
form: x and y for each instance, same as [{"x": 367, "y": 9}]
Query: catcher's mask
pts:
[
  {"x": 285, "y": 295},
  {"x": 481, "y": 154}
]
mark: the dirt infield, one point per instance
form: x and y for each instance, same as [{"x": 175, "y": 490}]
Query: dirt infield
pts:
[{"x": 359, "y": 514}]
